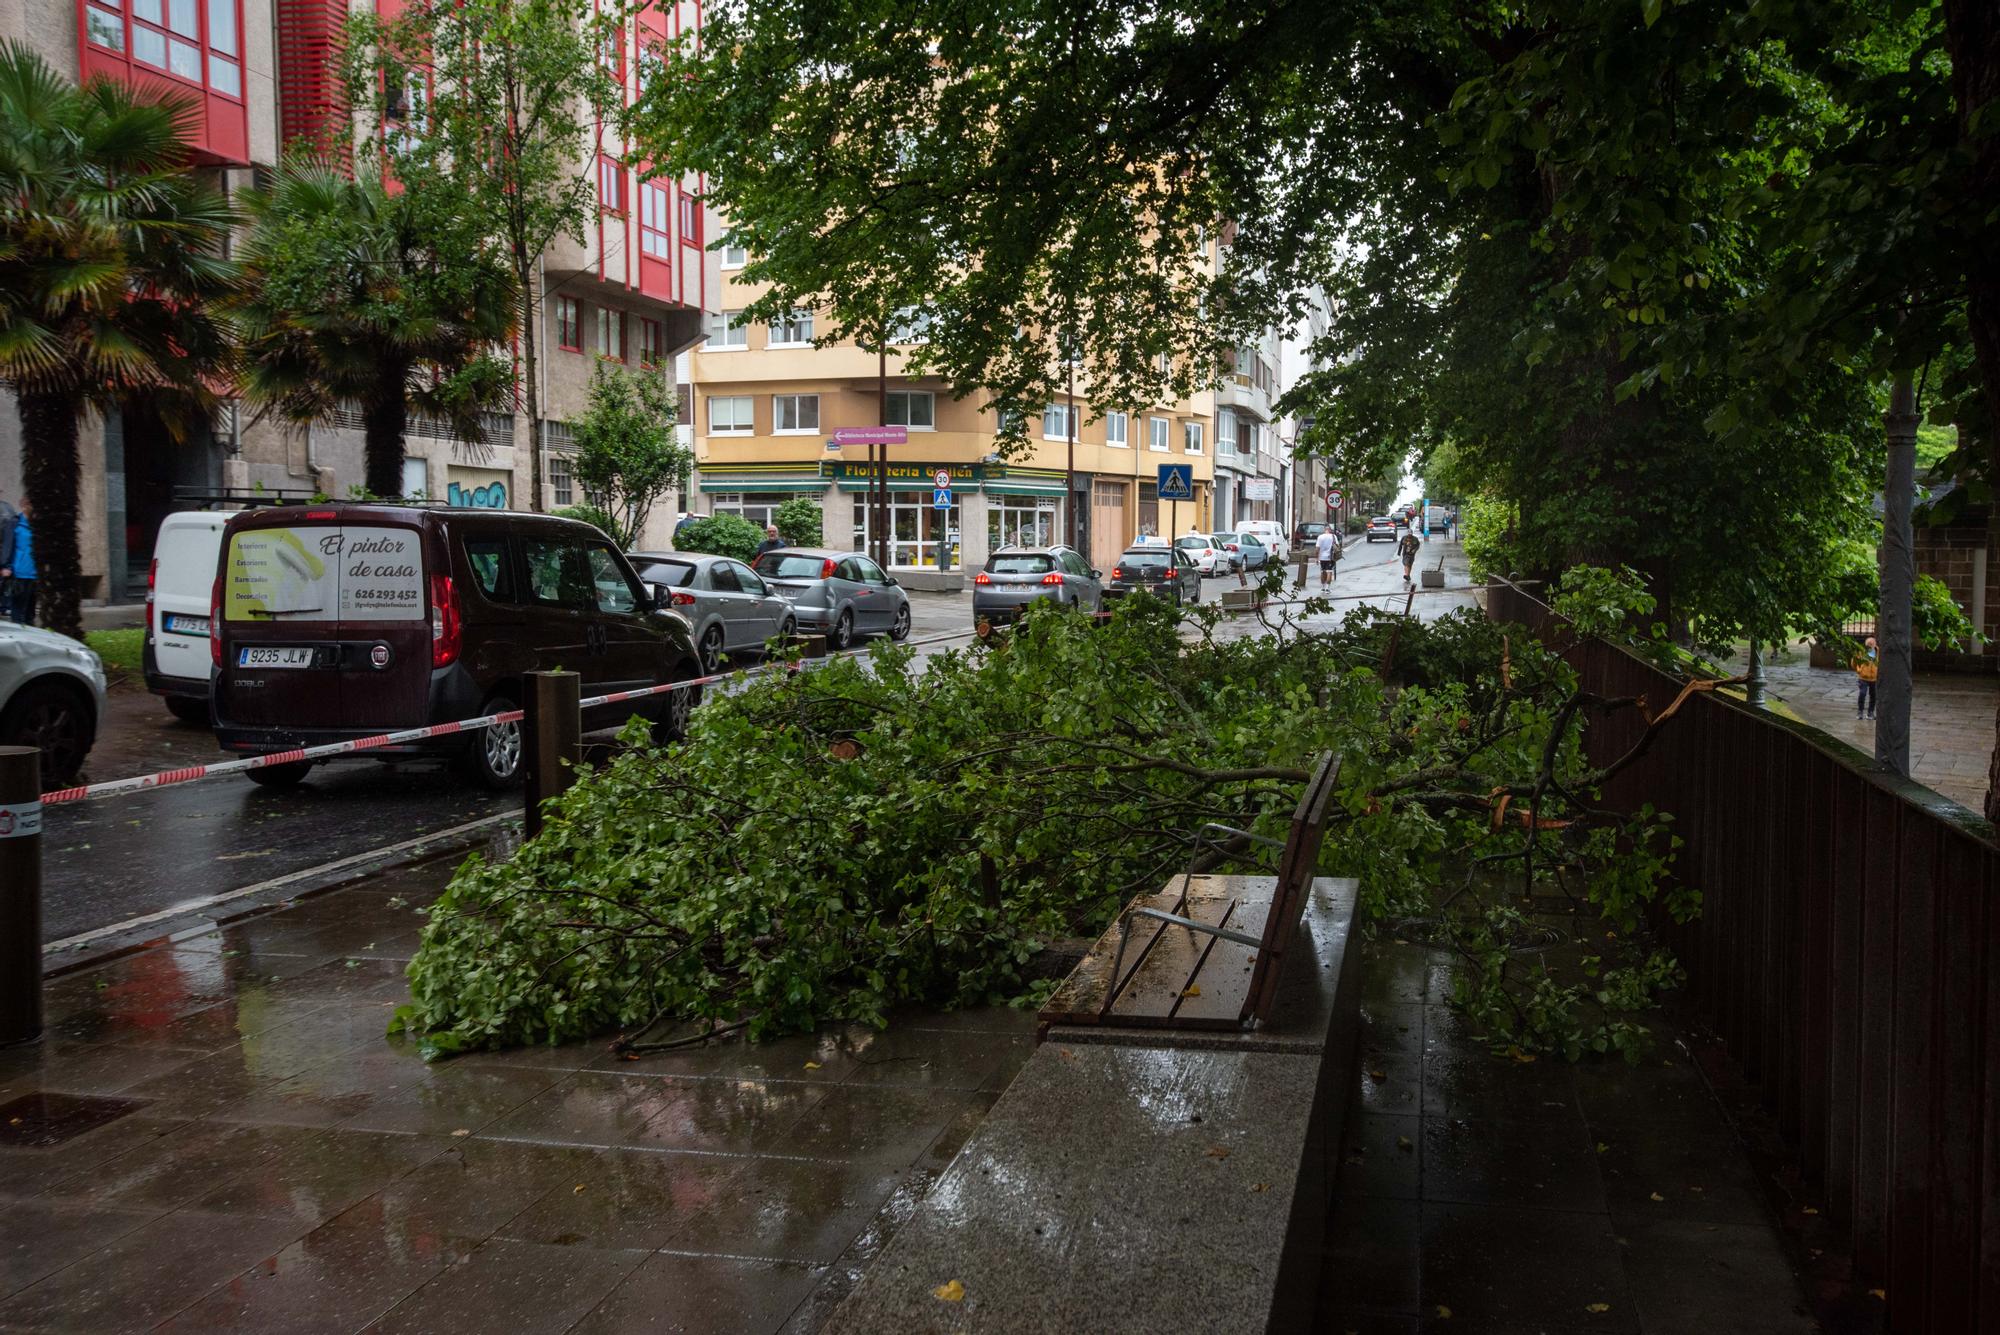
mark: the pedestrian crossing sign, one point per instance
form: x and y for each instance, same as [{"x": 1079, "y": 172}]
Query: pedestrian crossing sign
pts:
[{"x": 1176, "y": 482}]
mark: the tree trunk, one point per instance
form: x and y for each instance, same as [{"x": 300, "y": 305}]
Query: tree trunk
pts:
[
  {"x": 1972, "y": 37},
  {"x": 49, "y": 468},
  {"x": 383, "y": 422}
]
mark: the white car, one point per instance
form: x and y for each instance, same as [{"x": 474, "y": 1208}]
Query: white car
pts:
[
  {"x": 1203, "y": 551},
  {"x": 51, "y": 696}
]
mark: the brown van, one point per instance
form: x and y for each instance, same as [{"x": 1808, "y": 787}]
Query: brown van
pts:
[{"x": 345, "y": 621}]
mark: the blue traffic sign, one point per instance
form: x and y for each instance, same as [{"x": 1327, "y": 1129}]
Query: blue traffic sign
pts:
[
  {"x": 941, "y": 498},
  {"x": 1176, "y": 482}
]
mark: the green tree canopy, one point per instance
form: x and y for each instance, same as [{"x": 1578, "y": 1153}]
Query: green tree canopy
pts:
[
  {"x": 627, "y": 456},
  {"x": 392, "y": 300},
  {"x": 113, "y": 268}
]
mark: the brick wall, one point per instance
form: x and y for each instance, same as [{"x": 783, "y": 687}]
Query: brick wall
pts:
[{"x": 1946, "y": 552}]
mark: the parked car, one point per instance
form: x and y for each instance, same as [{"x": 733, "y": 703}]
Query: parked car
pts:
[
  {"x": 841, "y": 595},
  {"x": 1383, "y": 527},
  {"x": 731, "y": 607},
  {"x": 1306, "y": 534},
  {"x": 174, "y": 660},
  {"x": 1252, "y": 553},
  {"x": 1016, "y": 577},
  {"x": 1207, "y": 552},
  {"x": 345, "y": 621},
  {"x": 51, "y": 696},
  {"x": 1267, "y": 531},
  {"x": 1165, "y": 572}
]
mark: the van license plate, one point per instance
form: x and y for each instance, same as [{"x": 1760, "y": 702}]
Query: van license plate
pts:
[
  {"x": 254, "y": 657},
  {"x": 186, "y": 625}
]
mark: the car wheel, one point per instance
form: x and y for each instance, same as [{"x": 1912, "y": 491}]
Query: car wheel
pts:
[
  {"x": 842, "y": 634},
  {"x": 56, "y": 719},
  {"x": 711, "y": 651},
  {"x": 677, "y": 713},
  {"x": 187, "y": 709},
  {"x": 280, "y": 776},
  {"x": 493, "y": 759},
  {"x": 901, "y": 630},
  {"x": 788, "y": 628}
]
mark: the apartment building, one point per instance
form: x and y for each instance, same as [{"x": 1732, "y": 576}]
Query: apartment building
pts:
[
  {"x": 635, "y": 290},
  {"x": 768, "y": 403},
  {"x": 1252, "y": 464}
]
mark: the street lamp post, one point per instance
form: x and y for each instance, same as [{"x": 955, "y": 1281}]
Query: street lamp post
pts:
[{"x": 1069, "y": 430}]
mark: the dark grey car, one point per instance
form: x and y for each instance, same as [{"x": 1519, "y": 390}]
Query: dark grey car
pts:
[
  {"x": 731, "y": 607},
  {"x": 1164, "y": 572},
  {"x": 1014, "y": 577},
  {"x": 841, "y": 595}
]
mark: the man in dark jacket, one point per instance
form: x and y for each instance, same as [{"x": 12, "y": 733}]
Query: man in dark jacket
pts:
[
  {"x": 771, "y": 543},
  {"x": 8, "y": 516}
]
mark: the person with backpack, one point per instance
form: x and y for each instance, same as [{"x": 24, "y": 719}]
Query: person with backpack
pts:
[
  {"x": 1407, "y": 549},
  {"x": 19, "y": 567},
  {"x": 1327, "y": 547}
]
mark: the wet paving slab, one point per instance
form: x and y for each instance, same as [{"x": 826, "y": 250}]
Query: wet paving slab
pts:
[
  {"x": 1479, "y": 1193},
  {"x": 269, "y": 1159}
]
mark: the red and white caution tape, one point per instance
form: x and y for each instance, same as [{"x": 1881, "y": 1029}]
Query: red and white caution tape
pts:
[{"x": 191, "y": 773}]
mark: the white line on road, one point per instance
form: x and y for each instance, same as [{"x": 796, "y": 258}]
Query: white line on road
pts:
[{"x": 276, "y": 882}]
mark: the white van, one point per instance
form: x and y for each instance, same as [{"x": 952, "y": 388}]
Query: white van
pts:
[
  {"x": 178, "y": 586},
  {"x": 1269, "y": 532}
]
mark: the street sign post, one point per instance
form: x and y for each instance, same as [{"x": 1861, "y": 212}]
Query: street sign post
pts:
[
  {"x": 942, "y": 479},
  {"x": 1176, "y": 485},
  {"x": 941, "y": 498},
  {"x": 872, "y": 435}
]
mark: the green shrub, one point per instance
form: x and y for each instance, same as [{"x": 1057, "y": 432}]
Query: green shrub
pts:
[
  {"x": 1485, "y": 526},
  {"x": 720, "y": 535},
  {"x": 590, "y": 514},
  {"x": 800, "y": 521}
]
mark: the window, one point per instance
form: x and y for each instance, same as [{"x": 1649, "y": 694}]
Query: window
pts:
[
  {"x": 1114, "y": 429},
  {"x": 912, "y": 325},
  {"x": 794, "y": 330},
  {"x": 557, "y": 575},
  {"x": 610, "y": 185},
  {"x": 1225, "y": 431},
  {"x": 610, "y": 583},
  {"x": 611, "y": 334},
  {"x": 759, "y": 508},
  {"x": 735, "y": 257},
  {"x": 561, "y": 491},
  {"x": 1156, "y": 428},
  {"x": 690, "y": 218},
  {"x": 193, "y": 40},
  {"x": 1191, "y": 433},
  {"x": 795, "y": 414},
  {"x": 490, "y": 568},
  {"x": 653, "y": 220},
  {"x": 913, "y": 408},
  {"x": 652, "y": 63},
  {"x": 726, "y": 331},
  {"x": 1058, "y": 422},
  {"x": 731, "y": 415},
  {"x": 652, "y": 343},
  {"x": 1020, "y": 521},
  {"x": 569, "y": 325}
]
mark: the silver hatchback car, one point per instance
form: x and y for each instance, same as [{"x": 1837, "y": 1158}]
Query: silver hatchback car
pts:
[
  {"x": 732, "y": 609},
  {"x": 1017, "y": 576},
  {"x": 841, "y": 595}
]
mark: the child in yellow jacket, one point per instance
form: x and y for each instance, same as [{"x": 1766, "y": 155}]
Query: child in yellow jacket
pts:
[{"x": 1864, "y": 675}]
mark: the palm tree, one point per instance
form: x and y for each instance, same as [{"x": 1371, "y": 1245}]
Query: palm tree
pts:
[
  {"x": 390, "y": 299},
  {"x": 112, "y": 266}
]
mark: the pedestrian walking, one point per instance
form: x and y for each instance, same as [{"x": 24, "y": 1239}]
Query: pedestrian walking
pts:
[
  {"x": 1407, "y": 549},
  {"x": 771, "y": 543},
  {"x": 1327, "y": 547},
  {"x": 19, "y": 569},
  {"x": 1865, "y": 665},
  {"x": 8, "y": 516}
]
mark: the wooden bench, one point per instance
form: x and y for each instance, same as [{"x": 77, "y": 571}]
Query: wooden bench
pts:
[{"x": 1207, "y": 955}]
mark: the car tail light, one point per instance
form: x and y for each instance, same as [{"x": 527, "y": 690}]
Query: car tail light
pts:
[
  {"x": 680, "y": 599},
  {"x": 322, "y": 514},
  {"x": 444, "y": 622},
  {"x": 1052, "y": 578},
  {"x": 1167, "y": 573},
  {"x": 152, "y": 580},
  {"x": 215, "y": 621},
  {"x": 1118, "y": 572},
  {"x": 982, "y": 578},
  {"x": 826, "y": 568}
]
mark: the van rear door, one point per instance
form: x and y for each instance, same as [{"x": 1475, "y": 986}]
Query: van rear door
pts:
[
  {"x": 183, "y": 576},
  {"x": 305, "y": 605}
]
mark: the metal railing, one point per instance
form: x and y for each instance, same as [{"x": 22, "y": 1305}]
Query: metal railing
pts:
[{"x": 1848, "y": 953}]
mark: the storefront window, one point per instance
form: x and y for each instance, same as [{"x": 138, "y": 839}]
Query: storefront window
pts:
[
  {"x": 915, "y": 531},
  {"x": 1021, "y": 521},
  {"x": 758, "y": 507}
]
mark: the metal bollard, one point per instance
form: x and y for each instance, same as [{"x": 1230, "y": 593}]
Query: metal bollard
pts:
[
  {"x": 551, "y": 739},
  {"x": 20, "y": 895}
]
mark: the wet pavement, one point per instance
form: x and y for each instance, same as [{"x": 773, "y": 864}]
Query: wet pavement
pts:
[
  {"x": 266, "y": 1159},
  {"x": 1480, "y": 1193}
]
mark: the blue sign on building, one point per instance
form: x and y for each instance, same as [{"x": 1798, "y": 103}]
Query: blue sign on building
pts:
[
  {"x": 1176, "y": 482},
  {"x": 941, "y": 498}
]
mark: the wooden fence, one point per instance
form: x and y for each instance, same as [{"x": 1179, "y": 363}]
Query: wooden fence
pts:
[{"x": 1848, "y": 953}]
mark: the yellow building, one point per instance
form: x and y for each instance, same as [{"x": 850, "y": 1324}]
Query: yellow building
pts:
[{"x": 767, "y": 404}]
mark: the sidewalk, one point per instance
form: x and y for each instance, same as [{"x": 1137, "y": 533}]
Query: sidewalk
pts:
[{"x": 1951, "y": 720}]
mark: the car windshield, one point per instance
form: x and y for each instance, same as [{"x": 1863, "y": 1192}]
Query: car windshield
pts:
[
  {"x": 789, "y": 565},
  {"x": 673, "y": 574},
  {"x": 1137, "y": 560},
  {"x": 1030, "y": 563},
  {"x": 1192, "y": 542},
  {"x": 1249, "y": 540},
  {"x": 1225, "y": 537}
]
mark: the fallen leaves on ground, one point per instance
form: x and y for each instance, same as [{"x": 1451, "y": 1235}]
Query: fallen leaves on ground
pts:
[
  {"x": 1404, "y": 1144},
  {"x": 1597, "y": 1307},
  {"x": 1193, "y": 990},
  {"x": 1658, "y": 1197},
  {"x": 1260, "y": 1186},
  {"x": 1378, "y": 1076},
  {"x": 812, "y": 1066},
  {"x": 1443, "y": 1312},
  {"x": 1217, "y": 1152},
  {"x": 950, "y": 1291}
]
